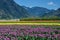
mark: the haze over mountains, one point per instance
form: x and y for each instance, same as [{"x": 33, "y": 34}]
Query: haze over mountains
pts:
[{"x": 11, "y": 10}]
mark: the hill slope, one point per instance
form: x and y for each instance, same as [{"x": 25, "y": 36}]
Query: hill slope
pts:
[
  {"x": 10, "y": 10},
  {"x": 52, "y": 14}
]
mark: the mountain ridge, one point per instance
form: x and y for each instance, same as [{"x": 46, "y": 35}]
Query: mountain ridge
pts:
[
  {"x": 44, "y": 13},
  {"x": 11, "y": 10}
]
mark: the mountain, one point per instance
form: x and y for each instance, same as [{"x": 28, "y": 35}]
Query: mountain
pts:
[
  {"x": 43, "y": 13},
  {"x": 52, "y": 14},
  {"x": 11, "y": 10},
  {"x": 36, "y": 11}
]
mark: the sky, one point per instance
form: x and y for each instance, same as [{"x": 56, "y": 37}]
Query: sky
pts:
[{"x": 49, "y": 4}]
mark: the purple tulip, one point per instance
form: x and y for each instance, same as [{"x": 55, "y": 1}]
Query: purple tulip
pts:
[{"x": 41, "y": 35}]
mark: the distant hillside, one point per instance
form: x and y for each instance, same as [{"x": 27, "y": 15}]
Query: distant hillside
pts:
[
  {"x": 37, "y": 11},
  {"x": 10, "y": 10},
  {"x": 43, "y": 13},
  {"x": 52, "y": 14}
]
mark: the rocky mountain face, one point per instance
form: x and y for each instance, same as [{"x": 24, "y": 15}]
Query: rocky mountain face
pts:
[{"x": 11, "y": 10}]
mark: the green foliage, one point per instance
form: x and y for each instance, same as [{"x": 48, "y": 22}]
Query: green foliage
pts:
[{"x": 43, "y": 18}]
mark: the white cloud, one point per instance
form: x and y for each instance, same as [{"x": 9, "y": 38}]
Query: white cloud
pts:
[{"x": 51, "y": 3}]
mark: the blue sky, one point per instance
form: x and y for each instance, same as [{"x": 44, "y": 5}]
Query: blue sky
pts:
[{"x": 50, "y": 4}]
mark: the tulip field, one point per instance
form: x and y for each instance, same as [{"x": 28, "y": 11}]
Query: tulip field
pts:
[{"x": 29, "y": 32}]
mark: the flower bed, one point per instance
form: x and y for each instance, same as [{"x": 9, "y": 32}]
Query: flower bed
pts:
[{"x": 29, "y": 33}]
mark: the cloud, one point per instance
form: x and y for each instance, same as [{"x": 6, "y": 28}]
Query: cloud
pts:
[{"x": 51, "y": 3}]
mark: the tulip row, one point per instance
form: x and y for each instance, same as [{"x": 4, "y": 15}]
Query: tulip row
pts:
[{"x": 19, "y": 32}]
